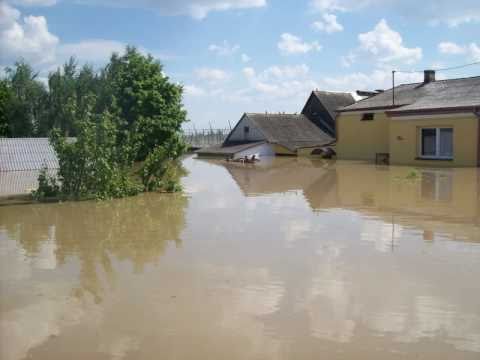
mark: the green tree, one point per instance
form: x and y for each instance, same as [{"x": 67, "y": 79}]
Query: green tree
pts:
[
  {"x": 70, "y": 93},
  {"x": 4, "y": 101},
  {"x": 26, "y": 100},
  {"x": 148, "y": 103},
  {"x": 127, "y": 112}
]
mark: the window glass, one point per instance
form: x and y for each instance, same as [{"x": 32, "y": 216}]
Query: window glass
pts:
[
  {"x": 429, "y": 140},
  {"x": 367, "y": 116},
  {"x": 446, "y": 142}
]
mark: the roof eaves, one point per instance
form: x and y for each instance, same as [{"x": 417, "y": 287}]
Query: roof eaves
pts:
[
  {"x": 371, "y": 108},
  {"x": 434, "y": 111}
]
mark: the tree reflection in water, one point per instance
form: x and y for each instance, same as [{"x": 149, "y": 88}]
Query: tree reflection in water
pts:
[{"x": 137, "y": 230}]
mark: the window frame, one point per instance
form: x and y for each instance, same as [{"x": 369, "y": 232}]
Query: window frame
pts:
[
  {"x": 437, "y": 155},
  {"x": 368, "y": 117}
]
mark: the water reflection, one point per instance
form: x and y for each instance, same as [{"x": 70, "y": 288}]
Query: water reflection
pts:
[
  {"x": 288, "y": 259},
  {"x": 137, "y": 229},
  {"x": 436, "y": 202}
]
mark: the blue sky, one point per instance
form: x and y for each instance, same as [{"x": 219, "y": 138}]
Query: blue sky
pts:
[{"x": 235, "y": 56}]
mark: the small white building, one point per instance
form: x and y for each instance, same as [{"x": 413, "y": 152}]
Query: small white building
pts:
[
  {"x": 21, "y": 160},
  {"x": 266, "y": 134}
]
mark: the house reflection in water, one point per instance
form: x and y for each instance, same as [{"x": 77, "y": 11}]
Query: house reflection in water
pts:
[{"x": 434, "y": 201}]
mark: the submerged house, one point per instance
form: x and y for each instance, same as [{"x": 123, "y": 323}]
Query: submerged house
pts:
[
  {"x": 434, "y": 123},
  {"x": 268, "y": 134}
]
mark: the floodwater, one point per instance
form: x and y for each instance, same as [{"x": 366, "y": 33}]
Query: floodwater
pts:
[{"x": 286, "y": 259}]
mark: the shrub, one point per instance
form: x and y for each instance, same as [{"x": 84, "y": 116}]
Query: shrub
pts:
[
  {"x": 95, "y": 165},
  {"x": 161, "y": 170},
  {"x": 47, "y": 186}
]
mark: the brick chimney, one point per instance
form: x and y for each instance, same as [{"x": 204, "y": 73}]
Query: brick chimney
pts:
[{"x": 428, "y": 76}]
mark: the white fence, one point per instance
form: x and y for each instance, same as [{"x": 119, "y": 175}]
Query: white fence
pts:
[{"x": 199, "y": 138}]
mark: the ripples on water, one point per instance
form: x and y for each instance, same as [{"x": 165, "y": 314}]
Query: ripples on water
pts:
[{"x": 286, "y": 259}]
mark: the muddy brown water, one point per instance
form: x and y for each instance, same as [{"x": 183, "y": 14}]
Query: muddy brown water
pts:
[{"x": 286, "y": 259}]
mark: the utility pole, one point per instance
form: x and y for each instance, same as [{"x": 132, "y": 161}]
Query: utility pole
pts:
[{"x": 393, "y": 87}]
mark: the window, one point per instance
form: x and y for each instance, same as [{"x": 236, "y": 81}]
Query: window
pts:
[
  {"x": 367, "y": 116},
  {"x": 246, "y": 129},
  {"x": 436, "y": 143}
]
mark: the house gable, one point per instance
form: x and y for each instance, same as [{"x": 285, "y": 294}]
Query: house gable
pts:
[
  {"x": 321, "y": 109},
  {"x": 244, "y": 132},
  {"x": 316, "y": 112}
]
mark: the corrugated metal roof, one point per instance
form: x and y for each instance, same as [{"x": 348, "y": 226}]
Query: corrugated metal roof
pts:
[
  {"x": 20, "y": 154},
  {"x": 20, "y": 182}
]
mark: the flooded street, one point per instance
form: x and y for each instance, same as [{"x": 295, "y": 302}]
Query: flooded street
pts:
[{"x": 286, "y": 259}]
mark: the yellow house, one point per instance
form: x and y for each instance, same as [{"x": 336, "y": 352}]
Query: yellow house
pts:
[{"x": 433, "y": 123}]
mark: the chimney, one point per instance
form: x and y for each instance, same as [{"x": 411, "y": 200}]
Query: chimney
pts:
[{"x": 428, "y": 76}]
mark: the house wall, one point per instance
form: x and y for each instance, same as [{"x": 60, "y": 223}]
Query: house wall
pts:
[
  {"x": 281, "y": 150},
  {"x": 260, "y": 150},
  {"x": 361, "y": 140},
  {"x": 405, "y": 142},
  {"x": 238, "y": 134}
]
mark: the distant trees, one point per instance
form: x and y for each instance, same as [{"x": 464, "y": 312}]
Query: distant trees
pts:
[
  {"x": 30, "y": 108},
  {"x": 23, "y": 100},
  {"x": 127, "y": 112},
  {"x": 4, "y": 101},
  {"x": 71, "y": 92}
]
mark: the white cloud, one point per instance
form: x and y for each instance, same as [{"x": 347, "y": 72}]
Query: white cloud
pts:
[
  {"x": 245, "y": 58},
  {"x": 348, "y": 60},
  {"x": 328, "y": 24},
  {"x": 281, "y": 81},
  {"x": 387, "y": 45},
  {"x": 291, "y": 44},
  {"x": 27, "y": 38},
  {"x": 472, "y": 50},
  {"x": 249, "y": 72},
  {"x": 211, "y": 74},
  {"x": 92, "y": 51},
  {"x": 34, "y": 2},
  {"x": 285, "y": 72},
  {"x": 328, "y": 5},
  {"x": 451, "y": 48},
  {"x": 194, "y": 90},
  {"x": 377, "y": 79},
  {"x": 198, "y": 9},
  {"x": 451, "y": 13},
  {"x": 224, "y": 49}
]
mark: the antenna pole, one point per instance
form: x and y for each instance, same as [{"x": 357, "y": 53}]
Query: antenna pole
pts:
[{"x": 393, "y": 87}]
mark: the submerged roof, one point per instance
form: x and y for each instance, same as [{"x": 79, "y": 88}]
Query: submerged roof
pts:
[
  {"x": 26, "y": 154},
  {"x": 293, "y": 131},
  {"x": 333, "y": 100},
  {"x": 440, "y": 94},
  {"x": 18, "y": 154},
  {"x": 222, "y": 150}
]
